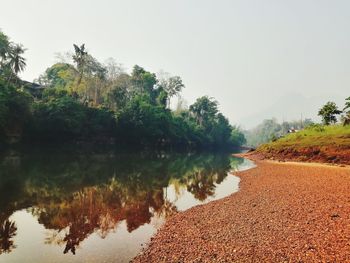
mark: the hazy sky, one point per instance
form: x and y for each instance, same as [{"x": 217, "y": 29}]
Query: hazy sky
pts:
[{"x": 252, "y": 56}]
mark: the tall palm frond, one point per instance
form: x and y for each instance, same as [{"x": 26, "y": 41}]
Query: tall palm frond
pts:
[{"x": 16, "y": 61}]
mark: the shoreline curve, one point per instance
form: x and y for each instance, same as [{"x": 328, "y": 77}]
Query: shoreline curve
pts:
[{"x": 282, "y": 212}]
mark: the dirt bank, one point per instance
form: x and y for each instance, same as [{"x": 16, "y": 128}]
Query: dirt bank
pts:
[
  {"x": 329, "y": 154},
  {"x": 283, "y": 213}
]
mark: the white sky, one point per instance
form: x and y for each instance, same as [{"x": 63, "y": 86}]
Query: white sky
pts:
[{"x": 249, "y": 55}]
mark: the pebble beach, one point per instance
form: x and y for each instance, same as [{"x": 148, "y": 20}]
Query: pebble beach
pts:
[{"x": 283, "y": 212}]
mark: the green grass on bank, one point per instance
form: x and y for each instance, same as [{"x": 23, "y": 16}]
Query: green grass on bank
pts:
[{"x": 315, "y": 136}]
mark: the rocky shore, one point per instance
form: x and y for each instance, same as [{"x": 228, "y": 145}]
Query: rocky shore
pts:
[{"x": 284, "y": 212}]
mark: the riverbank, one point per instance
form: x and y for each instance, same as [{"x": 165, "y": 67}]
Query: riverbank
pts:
[
  {"x": 320, "y": 144},
  {"x": 283, "y": 212}
]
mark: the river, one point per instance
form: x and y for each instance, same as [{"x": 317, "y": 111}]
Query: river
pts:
[{"x": 87, "y": 206}]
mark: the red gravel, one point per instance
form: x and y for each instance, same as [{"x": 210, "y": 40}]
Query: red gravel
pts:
[{"x": 283, "y": 213}]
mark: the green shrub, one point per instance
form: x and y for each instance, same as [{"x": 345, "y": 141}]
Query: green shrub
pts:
[{"x": 315, "y": 127}]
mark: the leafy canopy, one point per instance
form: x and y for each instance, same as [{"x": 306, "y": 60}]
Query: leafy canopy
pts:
[{"x": 328, "y": 113}]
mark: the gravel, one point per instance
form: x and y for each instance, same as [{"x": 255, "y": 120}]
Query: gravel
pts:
[{"x": 283, "y": 213}]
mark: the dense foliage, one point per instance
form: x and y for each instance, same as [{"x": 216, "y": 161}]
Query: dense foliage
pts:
[
  {"x": 14, "y": 110},
  {"x": 81, "y": 99}
]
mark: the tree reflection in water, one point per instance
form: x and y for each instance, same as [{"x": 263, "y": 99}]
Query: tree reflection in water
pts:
[
  {"x": 8, "y": 230},
  {"x": 75, "y": 195}
]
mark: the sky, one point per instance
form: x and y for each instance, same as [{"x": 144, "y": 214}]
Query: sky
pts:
[{"x": 258, "y": 59}]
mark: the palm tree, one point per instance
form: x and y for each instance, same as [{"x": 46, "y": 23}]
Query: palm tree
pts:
[
  {"x": 80, "y": 57},
  {"x": 16, "y": 61},
  {"x": 11, "y": 60}
]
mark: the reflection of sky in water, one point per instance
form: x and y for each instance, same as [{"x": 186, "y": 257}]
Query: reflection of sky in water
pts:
[
  {"x": 186, "y": 200},
  {"x": 245, "y": 165},
  {"x": 119, "y": 245}
]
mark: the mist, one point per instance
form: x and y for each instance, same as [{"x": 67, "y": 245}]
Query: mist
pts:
[{"x": 259, "y": 59}]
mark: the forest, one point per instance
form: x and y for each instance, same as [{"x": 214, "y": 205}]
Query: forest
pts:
[{"x": 80, "y": 100}]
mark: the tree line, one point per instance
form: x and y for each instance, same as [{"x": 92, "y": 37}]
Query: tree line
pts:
[{"x": 80, "y": 99}]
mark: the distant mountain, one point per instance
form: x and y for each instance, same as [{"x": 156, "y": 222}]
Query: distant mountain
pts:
[{"x": 292, "y": 106}]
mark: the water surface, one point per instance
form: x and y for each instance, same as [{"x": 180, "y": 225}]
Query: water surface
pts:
[{"x": 100, "y": 207}]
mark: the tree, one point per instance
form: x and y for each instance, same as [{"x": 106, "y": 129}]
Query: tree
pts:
[
  {"x": 83, "y": 98},
  {"x": 80, "y": 58},
  {"x": 58, "y": 76},
  {"x": 118, "y": 97},
  {"x": 328, "y": 113},
  {"x": 141, "y": 123},
  {"x": 59, "y": 119},
  {"x": 96, "y": 80},
  {"x": 118, "y": 91},
  {"x": 204, "y": 110},
  {"x": 114, "y": 69},
  {"x": 4, "y": 47},
  {"x": 4, "y": 51},
  {"x": 11, "y": 60},
  {"x": 16, "y": 61},
  {"x": 346, "y": 119},
  {"x": 181, "y": 105},
  {"x": 221, "y": 132},
  {"x": 172, "y": 85},
  {"x": 346, "y": 110},
  {"x": 143, "y": 81},
  {"x": 266, "y": 130},
  {"x": 347, "y": 105},
  {"x": 15, "y": 110},
  {"x": 162, "y": 97},
  {"x": 8, "y": 231},
  {"x": 92, "y": 83},
  {"x": 237, "y": 137}
]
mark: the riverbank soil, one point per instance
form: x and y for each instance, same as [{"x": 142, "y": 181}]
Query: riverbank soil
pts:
[
  {"x": 283, "y": 213},
  {"x": 335, "y": 155}
]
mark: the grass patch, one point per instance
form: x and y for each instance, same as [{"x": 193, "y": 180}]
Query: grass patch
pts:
[{"x": 335, "y": 136}]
